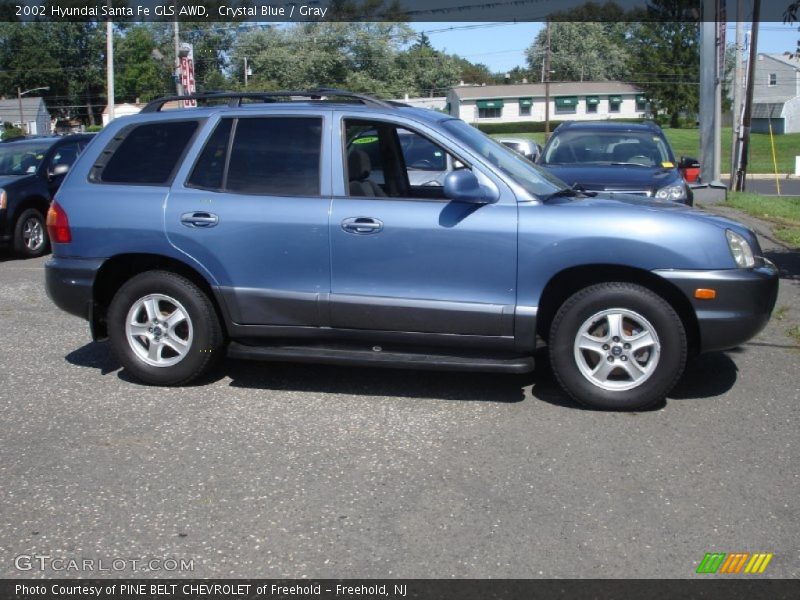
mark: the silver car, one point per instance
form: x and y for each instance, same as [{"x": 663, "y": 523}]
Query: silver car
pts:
[{"x": 528, "y": 148}]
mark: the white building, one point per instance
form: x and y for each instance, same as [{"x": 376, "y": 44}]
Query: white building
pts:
[
  {"x": 35, "y": 116},
  {"x": 122, "y": 110},
  {"x": 776, "y": 94},
  {"x": 569, "y": 101}
]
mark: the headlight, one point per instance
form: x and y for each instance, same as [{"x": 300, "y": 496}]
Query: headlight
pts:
[
  {"x": 741, "y": 250},
  {"x": 3, "y": 199},
  {"x": 672, "y": 192}
]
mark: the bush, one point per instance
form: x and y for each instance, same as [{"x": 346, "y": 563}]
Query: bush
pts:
[
  {"x": 9, "y": 131},
  {"x": 93, "y": 128},
  {"x": 531, "y": 126},
  {"x": 517, "y": 127}
]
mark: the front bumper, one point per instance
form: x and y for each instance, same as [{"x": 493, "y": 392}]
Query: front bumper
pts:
[
  {"x": 69, "y": 283},
  {"x": 742, "y": 307}
]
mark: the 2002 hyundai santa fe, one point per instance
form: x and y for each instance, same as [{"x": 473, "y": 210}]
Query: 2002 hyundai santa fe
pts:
[{"x": 255, "y": 227}]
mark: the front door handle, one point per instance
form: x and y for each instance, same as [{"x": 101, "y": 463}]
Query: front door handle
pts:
[
  {"x": 362, "y": 225},
  {"x": 199, "y": 219}
]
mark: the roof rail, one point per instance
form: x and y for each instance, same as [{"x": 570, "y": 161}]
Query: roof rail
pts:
[{"x": 235, "y": 98}]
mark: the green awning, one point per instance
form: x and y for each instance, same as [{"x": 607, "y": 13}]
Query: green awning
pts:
[
  {"x": 489, "y": 103},
  {"x": 592, "y": 100},
  {"x": 566, "y": 101},
  {"x": 615, "y": 99},
  {"x": 526, "y": 101},
  {"x": 641, "y": 98}
]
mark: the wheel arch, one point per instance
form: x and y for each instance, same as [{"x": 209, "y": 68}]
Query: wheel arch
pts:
[
  {"x": 36, "y": 201},
  {"x": 565, "y": 283},
  {"x": 121, "y": 268}
]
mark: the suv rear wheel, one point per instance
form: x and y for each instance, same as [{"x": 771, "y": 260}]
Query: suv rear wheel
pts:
[
  {"x": 164, "y": 329},
  {"x": 617, "y": 346},
  {"x": 30, "y": 234}
]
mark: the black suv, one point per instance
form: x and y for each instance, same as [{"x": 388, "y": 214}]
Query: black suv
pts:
[
  {"x": 31, "y": 170},
  {"x": 617, "y": 158}
]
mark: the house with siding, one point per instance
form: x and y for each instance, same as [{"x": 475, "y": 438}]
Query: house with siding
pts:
[
  {"x": 36, "y": 118},
  {"x": 776, "y": 94},
  {"x": 569, "y": 101}
]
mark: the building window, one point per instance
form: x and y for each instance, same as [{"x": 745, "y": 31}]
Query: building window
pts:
[
  {"x": 773, "y": 79},
  {"x": 490, "y": 113},
  {"x": 566, "y": 104},
  {"x": 490, "y": 109},
  {"x": 524, "y": 111},
  {"x": 614, "y": 103},
  {"x": 591, "y": 108},
  {"x": 641, "y": 102}
]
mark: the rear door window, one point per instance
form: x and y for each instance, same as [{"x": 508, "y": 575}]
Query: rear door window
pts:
[{"x": 277, "y": 156}]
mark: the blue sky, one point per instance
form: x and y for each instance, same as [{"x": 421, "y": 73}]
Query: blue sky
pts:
[{"x": 502, "y": 45}]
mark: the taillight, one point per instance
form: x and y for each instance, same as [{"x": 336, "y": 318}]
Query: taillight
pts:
[{"x": 58, "y": 224}]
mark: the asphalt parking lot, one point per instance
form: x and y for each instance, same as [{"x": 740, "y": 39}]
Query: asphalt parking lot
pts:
[{"x": 284, "y": 470}]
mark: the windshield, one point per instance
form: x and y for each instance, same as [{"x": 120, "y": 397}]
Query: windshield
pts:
[
  {"x": 575, "y": 147},
  {"x": 533, "y": 179},
  {"x": 21, "y": 158}
]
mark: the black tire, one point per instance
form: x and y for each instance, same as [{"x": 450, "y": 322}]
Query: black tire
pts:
[
  {"x": 657, "y": 366},
  {"x": 201, "y": 329},
  {"x": 31, "y": 222}
]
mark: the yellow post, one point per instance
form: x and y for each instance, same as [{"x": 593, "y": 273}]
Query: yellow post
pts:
[{"x": 774, "y": 159}]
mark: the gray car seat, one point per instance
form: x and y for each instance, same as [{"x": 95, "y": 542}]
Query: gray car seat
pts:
[{"x": 358, "y": 170}]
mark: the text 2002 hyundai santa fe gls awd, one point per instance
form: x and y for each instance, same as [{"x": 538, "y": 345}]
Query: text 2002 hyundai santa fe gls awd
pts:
[{"x": 256, "y": 228}]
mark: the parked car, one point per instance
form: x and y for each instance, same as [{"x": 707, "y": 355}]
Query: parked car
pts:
[
  {"x": 31, "y": 170},
  {"x": 618, "y": 158},
  {"x": 253, "y": 229},
  {"x": 528, "y": 148}
]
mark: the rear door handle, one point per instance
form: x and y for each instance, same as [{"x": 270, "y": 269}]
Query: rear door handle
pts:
[
  {"x": 362, "y": 225},
  {"x": 199, "y": 219}
]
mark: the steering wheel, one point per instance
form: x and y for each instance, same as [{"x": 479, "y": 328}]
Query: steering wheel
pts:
[
  {"x": 421, "y": 164},
  {"x": 640, "y": 159}
]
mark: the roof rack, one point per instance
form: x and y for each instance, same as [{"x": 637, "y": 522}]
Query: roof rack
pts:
[{"x": 235, "y": 98}]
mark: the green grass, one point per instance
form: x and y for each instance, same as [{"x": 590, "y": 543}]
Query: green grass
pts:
[
  {"x": 686, "y": 142},
  {"x": 783, "y": 212}
]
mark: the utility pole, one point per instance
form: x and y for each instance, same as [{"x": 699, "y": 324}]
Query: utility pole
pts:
[
  {"x": 547, "y": 86},
  {"x": 709, "y": 93},
  {"x": 744, "y": 135},
  {"x": 738, "y": 74},
  {"x": 110, "y": 69},
  {"x": 176, "y": 39},
  {"x": 245, "y": 72}
]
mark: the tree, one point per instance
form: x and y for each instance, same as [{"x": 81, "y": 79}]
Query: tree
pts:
[
  {"x": 582, "y": 51},
  {"x": 67, "y": 57},
  {"x": 474, "y": 73},
  {"x": 665, "y": 60},
  {"x": 432, "y": 72},
  {"x": 363, "y": 57},
  {"x": 140, "y": 73}
]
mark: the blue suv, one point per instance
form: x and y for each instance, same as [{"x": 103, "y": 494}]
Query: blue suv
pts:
[{"x": 255, "y": 226}]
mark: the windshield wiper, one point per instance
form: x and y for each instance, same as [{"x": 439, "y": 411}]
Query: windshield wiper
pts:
[
  {"x": 571, "y": 192},
  {"x": 630, "y": 164}
]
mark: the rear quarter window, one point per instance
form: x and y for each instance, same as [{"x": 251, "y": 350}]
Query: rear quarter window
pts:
[{"x": 146, "y": 154}]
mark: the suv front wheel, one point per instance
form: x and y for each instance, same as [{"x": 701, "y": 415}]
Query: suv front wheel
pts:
[
  {"x": 164, "y": 329},
  {"x": 617, "y": 346}
]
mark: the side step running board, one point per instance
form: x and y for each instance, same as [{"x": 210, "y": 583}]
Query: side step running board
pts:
[{"x": 380, "y": 358}]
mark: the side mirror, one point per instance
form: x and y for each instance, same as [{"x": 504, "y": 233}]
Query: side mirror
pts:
[
  {"x": 463, "y": 186},
  {"x": 59, "y": 170},
  {"x": 688, "y": 163}
]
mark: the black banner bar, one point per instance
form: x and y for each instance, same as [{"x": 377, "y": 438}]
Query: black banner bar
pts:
[
  {"x": 368, "y": 10},
  {"x": 728, "y": 588}
]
